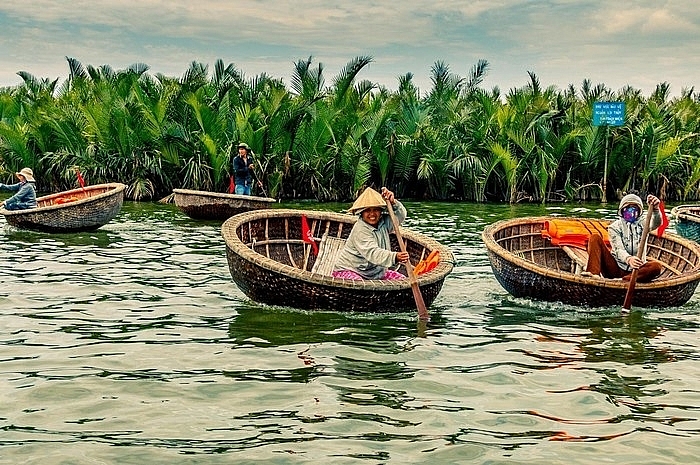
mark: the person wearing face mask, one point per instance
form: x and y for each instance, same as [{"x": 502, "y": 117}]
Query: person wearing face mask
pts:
[
  {"x": 625, "y": 234},
  {"x": 367, "y": 253}
]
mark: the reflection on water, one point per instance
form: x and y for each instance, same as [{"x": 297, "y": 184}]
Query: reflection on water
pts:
[
  {"x": 135, "y": 336},
  {"x": 278, "y": 326}
]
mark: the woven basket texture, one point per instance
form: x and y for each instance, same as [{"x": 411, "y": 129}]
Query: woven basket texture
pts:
[
  {"x": 329, "y": 250},
  {"x": 86, "y": 209},
  {"x": 527, "y": 265},
  {"x": 271, "y": 264},
  {"x": 204, "y": 205}
]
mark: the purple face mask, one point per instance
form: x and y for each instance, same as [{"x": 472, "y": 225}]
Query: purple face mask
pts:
[{"x": 630, "y": 213}]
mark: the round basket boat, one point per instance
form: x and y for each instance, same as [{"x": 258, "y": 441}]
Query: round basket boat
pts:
[
  {"x": 203, "y": 205},
  {"x": 527, "y": 264},
  {"x": 271, "y": 264},
  {"x": 82, "y": 209},
  {"x": 687, "y": 221}
]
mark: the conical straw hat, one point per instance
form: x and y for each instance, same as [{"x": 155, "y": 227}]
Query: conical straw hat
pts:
[{"x": 369, "y": 198}]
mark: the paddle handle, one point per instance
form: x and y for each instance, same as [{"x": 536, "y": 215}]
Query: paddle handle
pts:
[
  {"x": 260, "y": 183},
  {"x": 627, "y": 305},
  {"x": 417, "y": 295}
]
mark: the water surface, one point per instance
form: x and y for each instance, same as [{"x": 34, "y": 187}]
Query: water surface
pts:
[{"x": 131, "y": 344}]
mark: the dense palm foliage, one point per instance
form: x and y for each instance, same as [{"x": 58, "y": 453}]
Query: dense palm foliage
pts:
[{"x": 327, "y": 141}]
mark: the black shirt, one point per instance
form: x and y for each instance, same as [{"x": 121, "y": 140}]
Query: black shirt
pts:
[{"x": 242, "y": 174}]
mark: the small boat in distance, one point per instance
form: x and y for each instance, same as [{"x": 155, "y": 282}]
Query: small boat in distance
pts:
[
  {"x": 687, "y": 221},
  {"x": 527, "y": 264},
  {"x": 271, "y": 263},
  {"x": 203, "y": 205},
  {"x": 83, "y": 209}
]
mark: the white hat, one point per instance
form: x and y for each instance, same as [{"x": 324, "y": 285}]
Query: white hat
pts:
[
  {"x": 368, "y": 199},
  {"x": 27, "y": 173}
]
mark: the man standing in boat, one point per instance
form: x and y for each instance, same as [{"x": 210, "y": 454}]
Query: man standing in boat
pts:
[
  {"x": 243, "y": 165},
  {"x": 26, "y": 191}
]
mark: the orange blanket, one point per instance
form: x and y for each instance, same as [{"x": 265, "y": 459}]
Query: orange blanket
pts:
[
  {"x": 574, "y": 233},
  {"x": 64, "y": 199}
]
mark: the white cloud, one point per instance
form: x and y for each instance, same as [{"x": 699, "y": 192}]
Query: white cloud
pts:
[{"x": 562, "y": 41}]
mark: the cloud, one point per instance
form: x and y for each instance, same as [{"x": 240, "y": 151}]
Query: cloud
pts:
[{"x": 562, "y": 41}]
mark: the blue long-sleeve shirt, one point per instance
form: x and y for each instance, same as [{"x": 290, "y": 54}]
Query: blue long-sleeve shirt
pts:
[{"x": 23, "y": 199}]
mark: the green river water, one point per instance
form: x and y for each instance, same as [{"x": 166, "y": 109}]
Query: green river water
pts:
[{"x": 132, "y": 345}]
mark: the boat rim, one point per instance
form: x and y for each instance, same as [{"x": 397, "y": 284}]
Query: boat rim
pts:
[
  {"x": 684, "y": 212},
  {"x": 223, "y": 195}
]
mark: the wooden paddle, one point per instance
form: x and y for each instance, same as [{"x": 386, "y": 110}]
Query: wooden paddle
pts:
[
  {"x": 627, "y": 305},
  {"x": 260, "y": 184},
  {"x": 417, "y": 296}
]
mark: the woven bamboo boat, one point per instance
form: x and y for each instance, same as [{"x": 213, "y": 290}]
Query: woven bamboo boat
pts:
[
  {"x": 271, "y": 264},
  {"x": 527, "y": 264},
  {"x": 203, "y": 205},
  {"x": 82, "y": 209},
  {"x": 687, "y": 221}
]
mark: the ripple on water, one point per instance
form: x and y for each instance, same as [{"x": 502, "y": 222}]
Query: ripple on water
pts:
[{"x": 135, "y": 336}]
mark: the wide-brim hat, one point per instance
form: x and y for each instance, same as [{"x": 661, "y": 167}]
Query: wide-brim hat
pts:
[
  {"x": 368, "y": 199},
  {"x": 243, "y": 145},
  {"x": 27, "y": 173}
]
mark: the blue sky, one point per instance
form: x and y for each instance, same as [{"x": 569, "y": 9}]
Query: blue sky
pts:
[{"x": 637, "y": 43}]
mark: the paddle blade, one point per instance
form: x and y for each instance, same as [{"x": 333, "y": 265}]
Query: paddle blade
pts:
[
  {"x": 627, "y": 304},
  {"x": 420, "y": 303}
]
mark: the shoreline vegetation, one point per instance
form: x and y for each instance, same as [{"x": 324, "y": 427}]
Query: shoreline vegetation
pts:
[{"x": 327, "y": 141}]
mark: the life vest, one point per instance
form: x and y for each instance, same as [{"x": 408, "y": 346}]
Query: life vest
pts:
[
  {"x": 574, "y": 232},
  {"x": 428, "y": 263}
]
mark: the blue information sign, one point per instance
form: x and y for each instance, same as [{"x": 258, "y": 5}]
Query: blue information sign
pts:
[{"x": 608, "y": 113}]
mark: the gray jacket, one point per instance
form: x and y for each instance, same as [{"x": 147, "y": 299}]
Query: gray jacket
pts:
[
  {"x": 367, "y": 249},
  {"x": 625, "y": 237}
]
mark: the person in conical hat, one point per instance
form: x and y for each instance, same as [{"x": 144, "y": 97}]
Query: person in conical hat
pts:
[
  {"x": 25, "y": 189},
  {"x": 625, "y": 235},
  {"x": 367, "y": 252}
]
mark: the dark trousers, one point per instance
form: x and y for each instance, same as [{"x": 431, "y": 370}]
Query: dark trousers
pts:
[{"x": 602, "y": 262}]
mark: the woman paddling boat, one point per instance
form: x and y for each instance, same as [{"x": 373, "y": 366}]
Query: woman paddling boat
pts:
[{"x": 367, "y": 253}]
